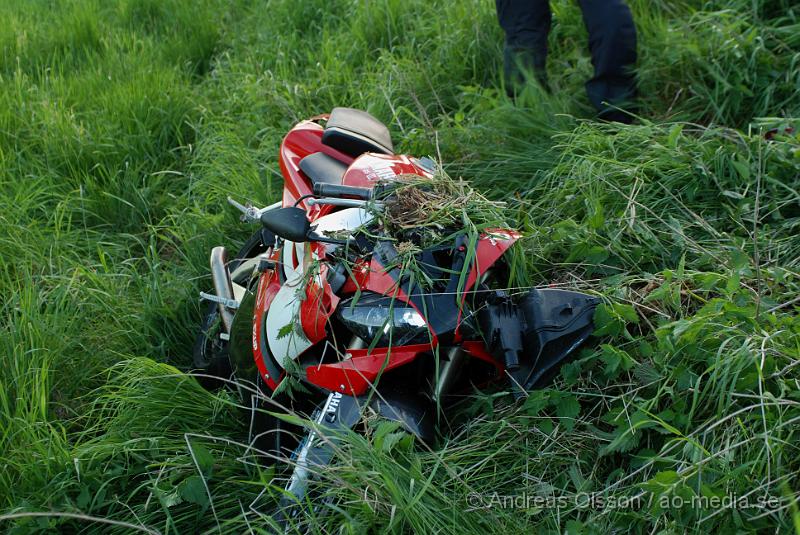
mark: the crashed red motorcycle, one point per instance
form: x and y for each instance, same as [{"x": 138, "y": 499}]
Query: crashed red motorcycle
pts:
[{"x": 362, "y": 315}]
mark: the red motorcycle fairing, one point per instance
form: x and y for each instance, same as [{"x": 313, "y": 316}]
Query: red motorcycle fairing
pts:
[
  {"x": 369, "y": 169},
  {"x": 315, "y": 310},
  {"x": 268, "y": 287},
  {"x": 365, "y": 171},
  {"x": 319, "y": 304},
  {"x": 374, "y": 277},
  {"x": 490, "y": 247},
  {"x": 357, "y": 373},
  {"x": 304, "y": 139},
  {"x": 354, "y": 375}
]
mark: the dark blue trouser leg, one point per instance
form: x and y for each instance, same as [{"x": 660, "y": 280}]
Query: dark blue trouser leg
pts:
[
  {"x": 612, "y": 43},
  {"x": 526, "y": 24}
]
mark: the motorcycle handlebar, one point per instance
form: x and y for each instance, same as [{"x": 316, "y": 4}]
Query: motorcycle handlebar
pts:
[{"x": 335, "y": 190}]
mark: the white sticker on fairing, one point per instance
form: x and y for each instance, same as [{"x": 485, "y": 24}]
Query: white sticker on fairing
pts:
[
  {"x": 376, "y": 168},
  {"x": 285, "y": 336}
]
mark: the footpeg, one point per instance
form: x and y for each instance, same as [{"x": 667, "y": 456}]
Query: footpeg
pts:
[{"x": 228, "y": 303}]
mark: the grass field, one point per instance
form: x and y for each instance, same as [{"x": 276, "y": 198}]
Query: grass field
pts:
[{"x": 124, "y": 125}]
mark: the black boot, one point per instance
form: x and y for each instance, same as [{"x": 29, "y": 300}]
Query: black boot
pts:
[
  {"x": 526, "y": 24},
  {"x": 518, "y": 65},
  {"x": 612, "y": 43}
]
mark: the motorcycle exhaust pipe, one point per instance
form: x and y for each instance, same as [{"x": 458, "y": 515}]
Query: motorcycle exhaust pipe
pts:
[{"x": 223, "y": 286}]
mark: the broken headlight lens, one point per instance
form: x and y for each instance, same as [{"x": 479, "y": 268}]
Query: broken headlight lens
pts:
[{"x": 394, "y": 322}]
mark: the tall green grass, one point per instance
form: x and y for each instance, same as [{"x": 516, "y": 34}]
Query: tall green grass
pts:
[{"x": 125, "y": 125}]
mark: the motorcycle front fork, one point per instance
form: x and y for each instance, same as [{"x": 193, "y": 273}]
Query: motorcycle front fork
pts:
[{"x": 449, "y": 371}]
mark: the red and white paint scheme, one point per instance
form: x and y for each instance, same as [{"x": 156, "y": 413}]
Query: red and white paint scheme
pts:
[{"x": 295, "y": 294}]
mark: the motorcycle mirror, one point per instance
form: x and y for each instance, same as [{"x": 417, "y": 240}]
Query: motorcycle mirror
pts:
[{"x": 288, "y": 223}]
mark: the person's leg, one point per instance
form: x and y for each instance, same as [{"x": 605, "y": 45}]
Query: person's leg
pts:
[
  {"x": 526, "y": 24},
  {"x": 612, "y": 43}
]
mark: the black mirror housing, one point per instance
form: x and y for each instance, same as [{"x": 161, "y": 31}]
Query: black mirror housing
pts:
[{"x": 288, "y": 223}]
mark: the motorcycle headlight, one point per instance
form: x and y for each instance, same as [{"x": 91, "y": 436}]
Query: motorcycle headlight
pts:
[{"x": 391, "y": 320}]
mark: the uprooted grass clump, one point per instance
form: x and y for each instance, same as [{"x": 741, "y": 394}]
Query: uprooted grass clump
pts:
[
  {"x": 442, "y": 212},
  {"x": 438, "y": 206},
  {"x": 125, "y": 125}
]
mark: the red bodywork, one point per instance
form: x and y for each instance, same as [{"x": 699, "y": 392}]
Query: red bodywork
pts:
[
  {"x": 268, "y": 286},
  {"x": 356, "y": 373}
]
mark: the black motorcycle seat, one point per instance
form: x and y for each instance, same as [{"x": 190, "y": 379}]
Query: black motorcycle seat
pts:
[
  {"x": 323, "y": 169},
  {"x": 355, "y": 132}
]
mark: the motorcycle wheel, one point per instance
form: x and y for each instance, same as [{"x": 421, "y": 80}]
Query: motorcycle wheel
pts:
[{"x": 210, "y": 352}]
